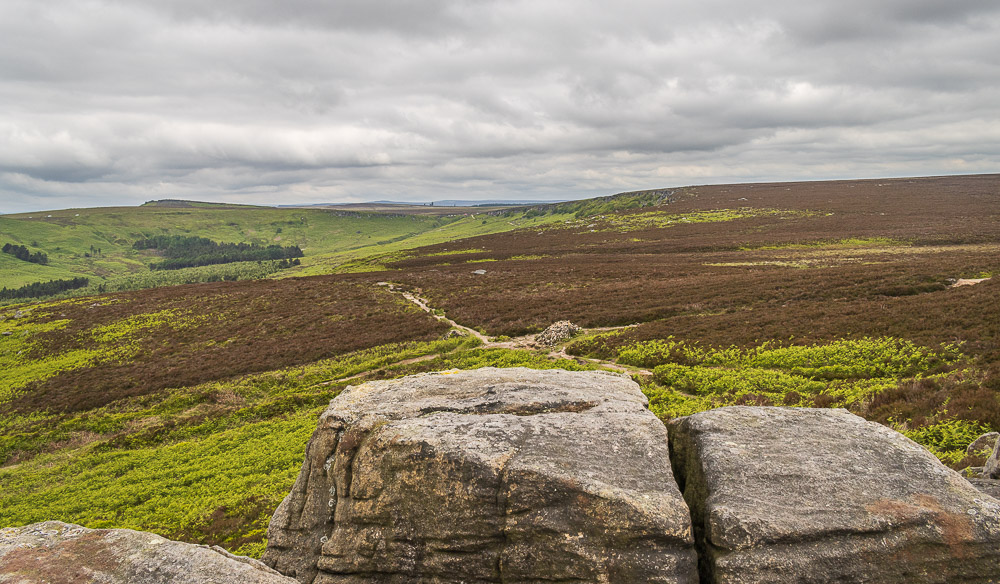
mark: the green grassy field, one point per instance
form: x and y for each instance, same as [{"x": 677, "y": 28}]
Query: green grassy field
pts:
[
  {"x": 461, "y": 228},
  {"x": 71, "y": 237},
  {"x": 97, "y": 243}
]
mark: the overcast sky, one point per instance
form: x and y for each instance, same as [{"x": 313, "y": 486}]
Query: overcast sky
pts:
[{"x": 301, "y": 101}]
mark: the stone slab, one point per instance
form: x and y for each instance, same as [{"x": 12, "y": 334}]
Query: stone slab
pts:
[{"x": 822, "y": 496}]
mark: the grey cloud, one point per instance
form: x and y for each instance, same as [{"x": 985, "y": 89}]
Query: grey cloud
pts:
[
  {"x": 884, "y": 21},
  {"x": 312, "y": 101},
  {"x": 406, "y": 16}
]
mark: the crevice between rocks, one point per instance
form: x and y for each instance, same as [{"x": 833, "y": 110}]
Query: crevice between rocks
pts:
[
  {"x": 330, "y": 471},
  {"x": 680, "y": 460},
  {"x": 532, "y": 409},
  {"x": 348, "y": 444}
]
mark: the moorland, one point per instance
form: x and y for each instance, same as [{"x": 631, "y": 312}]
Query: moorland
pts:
[{"x": 179, "y": 401}]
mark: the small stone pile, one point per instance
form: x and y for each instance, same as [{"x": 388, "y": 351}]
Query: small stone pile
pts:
[{"x": 557, "y": 332}]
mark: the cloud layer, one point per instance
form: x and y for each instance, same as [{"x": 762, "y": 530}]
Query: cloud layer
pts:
[{"x": 118, "y": 102}]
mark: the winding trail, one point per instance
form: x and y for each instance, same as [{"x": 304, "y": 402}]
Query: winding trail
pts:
[
  {"x": 526, "y": 342},
  {"x": 522, "y": 342},
  {"x": 438, "y": 314}
]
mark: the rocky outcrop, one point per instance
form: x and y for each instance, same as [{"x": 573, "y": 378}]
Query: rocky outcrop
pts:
[
  {"x": 985, "y": 442},
  {"x": 523, "y": 476},
  {"x": 492, "y": 475},
  {"x": 61, "y": 553},
  {"x": 815, "y": 495}
]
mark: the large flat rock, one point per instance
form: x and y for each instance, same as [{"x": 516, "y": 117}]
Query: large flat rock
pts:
[
  {"x": 62, "y": 553},
  {"x": 491, "y": 475},
  {"x": 816, "y": 495}
]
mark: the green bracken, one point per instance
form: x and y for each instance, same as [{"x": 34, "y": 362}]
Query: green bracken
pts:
[
  {"x": 185, "y": 462},
  {"x": 947, "y": 439},
  {"x": 106, "y": 344},
  {"x": 663, "y": 219},
  {"x": 688, "y": 378}
]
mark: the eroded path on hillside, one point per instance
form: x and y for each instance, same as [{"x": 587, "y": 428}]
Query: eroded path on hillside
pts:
[
  {"x": 522, "y": 342},
  {"x": 438, "y": 314}
]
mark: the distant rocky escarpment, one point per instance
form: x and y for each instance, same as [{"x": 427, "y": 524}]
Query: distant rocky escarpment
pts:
[{"x": 517, "y": 475}]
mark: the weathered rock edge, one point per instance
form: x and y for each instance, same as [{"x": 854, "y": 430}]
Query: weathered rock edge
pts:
[
  {"x": 992, "y": 468},
  {"x": 490, "y": 475},
  {"x": 817, "y": 495},
  {"x": 61, "y": 553}
]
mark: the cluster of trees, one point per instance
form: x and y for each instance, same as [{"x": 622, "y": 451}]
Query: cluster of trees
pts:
[
  {"x": 38, "y": 289},
  {"x": 23, "y": 253},
  {"x": 188, "y": 251}
]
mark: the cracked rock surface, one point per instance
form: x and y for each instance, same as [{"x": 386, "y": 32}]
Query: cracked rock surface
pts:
[
  {"x": 823, "y": 496},
  {"x": 490, "y": 475},
  {"x": 61, "y": 553}
]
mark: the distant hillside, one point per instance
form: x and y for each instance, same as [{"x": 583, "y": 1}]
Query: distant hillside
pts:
[
  {"x": 185, "y": 410},
  {"x": 181, "y": 203},
  {"x": 98, "y": 243},
  {"x": 611, "y": 203},
  {"x": 441, "y": 203},
  {"x": 384, "y": 208}
]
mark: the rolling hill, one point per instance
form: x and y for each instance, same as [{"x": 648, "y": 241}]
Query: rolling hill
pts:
[
  {"x": 98, "y": 243},
  {"x": 185, "y": 409}
]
